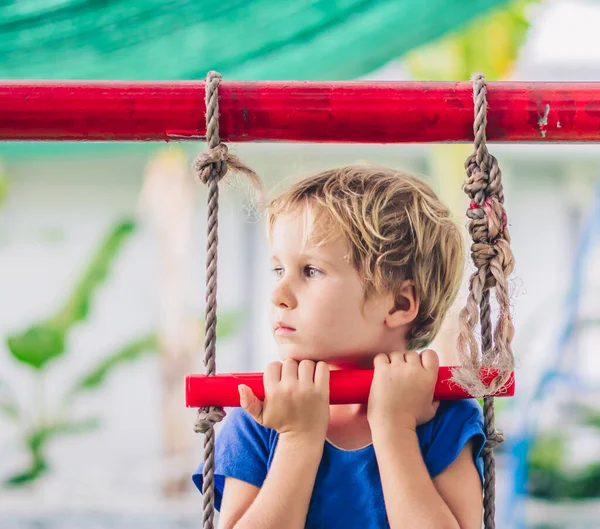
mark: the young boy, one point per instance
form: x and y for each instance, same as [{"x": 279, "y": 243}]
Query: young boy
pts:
[{"x": 367, "y": 262}]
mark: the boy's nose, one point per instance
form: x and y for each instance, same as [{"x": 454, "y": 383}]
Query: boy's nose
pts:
[{"x": 283, "y": 297}]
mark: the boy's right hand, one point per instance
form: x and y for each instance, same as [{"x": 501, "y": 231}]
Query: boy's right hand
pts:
[{"x": 296, "y": 399}]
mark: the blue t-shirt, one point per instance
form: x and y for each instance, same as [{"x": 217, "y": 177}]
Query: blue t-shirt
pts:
[{"x": 347, "y": 491}]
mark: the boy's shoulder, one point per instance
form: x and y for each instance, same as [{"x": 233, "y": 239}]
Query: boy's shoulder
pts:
[
  {"x": 239, "y": 424},
  {"x": 466, "y": 408},
  {"x": 243, "y": 449},
  {"x": 455, "y": 415},
  {"x": 442, "y": 438}
]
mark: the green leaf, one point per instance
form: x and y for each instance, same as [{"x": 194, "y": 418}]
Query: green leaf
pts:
[
  {"x": 44, "y": 341},
  {"x": 547, "y": 452},
  {"x": 36, "y": 441},
  {"x": 593, "y": 419},
  {"x": 130, "y": 352},
  {"x": 37, "y": 345},
  {"x": 9, "y": 409},
  {"x": 227, "y": 324},
  {"x": 588, "y": 482},
  {"x": 77, "y": 306},
  {"x": 589, "y": 415},
  {"x": 73, "y": 427},
  {"x": 546, "y": 474},
  {"x": 34, "y": 472},
  {"x": 38, "y": 437}
]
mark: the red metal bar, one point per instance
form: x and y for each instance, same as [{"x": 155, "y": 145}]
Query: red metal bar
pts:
[
  {"x": 366, "y": 112},
  {"x": 346, "y": 387}
]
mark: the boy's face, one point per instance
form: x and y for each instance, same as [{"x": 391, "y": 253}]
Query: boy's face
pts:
[{"x": 317, "y": 298}]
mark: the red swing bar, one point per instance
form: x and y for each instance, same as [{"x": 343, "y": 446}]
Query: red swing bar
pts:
[
  {"x": 366, "y": 112},
  {"x": 350, "y": 386}
]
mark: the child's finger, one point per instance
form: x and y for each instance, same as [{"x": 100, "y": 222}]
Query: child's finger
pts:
[
  {"x": 412, "y": 358},
  {"x": 381, "y": 359},
  {"x": 250, "y": 402},
  {"x": 430, "y": 360},
  {"x": 272, "y": 375},
  {"x": 322, "y": 376},
  {"x": 289, "y": 370},
  {"x": 306, "y": 371}
]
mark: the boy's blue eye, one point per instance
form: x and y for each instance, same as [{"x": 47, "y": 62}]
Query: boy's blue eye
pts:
[
  {"x": 278, "y": 271},
  {"x": 312, "y": 272}
]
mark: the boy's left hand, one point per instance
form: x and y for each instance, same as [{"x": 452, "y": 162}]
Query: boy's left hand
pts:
[{"x": 402, "y": 390}]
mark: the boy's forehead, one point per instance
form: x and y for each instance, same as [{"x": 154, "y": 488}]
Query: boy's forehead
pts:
[{"x": 306, "y": 228}]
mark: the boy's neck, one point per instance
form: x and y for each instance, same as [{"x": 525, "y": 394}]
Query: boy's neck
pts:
[
  {"x": 348, "y": 411},
  {"x": 348, "y": 426},
  {"x": 365, "y": 360},
  {"x": 359, "y": 363}
]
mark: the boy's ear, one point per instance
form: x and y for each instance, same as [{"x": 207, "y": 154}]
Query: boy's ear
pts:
[{"x": 405, "y": 306}]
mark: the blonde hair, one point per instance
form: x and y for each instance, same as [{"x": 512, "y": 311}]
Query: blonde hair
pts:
[{"x": 397, "y": 230}]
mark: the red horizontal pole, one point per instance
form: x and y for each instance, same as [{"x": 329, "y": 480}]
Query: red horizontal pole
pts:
[
  {"x": 365, "y": 112},
  {"x": 346, "y": 387}
]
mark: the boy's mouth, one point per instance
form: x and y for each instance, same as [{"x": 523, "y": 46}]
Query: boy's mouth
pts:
[{"x": 281, "y": 329}]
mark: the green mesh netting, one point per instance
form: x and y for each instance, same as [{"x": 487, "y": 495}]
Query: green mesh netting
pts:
[{"x": 243, "y": 39}]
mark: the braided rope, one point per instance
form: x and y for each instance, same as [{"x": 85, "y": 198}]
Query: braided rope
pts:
[
  {"x": 211, "y": 166},
  {"x": 493, "y": 259}
]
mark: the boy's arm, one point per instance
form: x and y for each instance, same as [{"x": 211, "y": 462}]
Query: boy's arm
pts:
[
  {"x": 451, "y": 501},
  {"x": 296, "y": 405},
  {"x": 401, "y": 398},
  {"x": 236, "y": 502},
  {"x": 459, "y": 485},
  {"x": 283, "y": 499}
]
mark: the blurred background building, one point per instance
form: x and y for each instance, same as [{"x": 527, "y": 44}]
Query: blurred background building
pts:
[{"x": 102, "y": 247}]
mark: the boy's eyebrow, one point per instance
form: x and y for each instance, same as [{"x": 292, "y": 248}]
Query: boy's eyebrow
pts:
[
  {"x": 307, "y": 256},
  {"x": 311, "y": 256}
]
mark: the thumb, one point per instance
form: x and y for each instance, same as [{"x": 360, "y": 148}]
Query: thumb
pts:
[{"x": 250, "y": 402}]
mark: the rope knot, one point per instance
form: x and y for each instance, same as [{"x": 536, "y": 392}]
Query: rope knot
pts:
[
  {"x": 493, "y": 441},
  {"x": 207, "y": 418},
  {"x": 212, "y": 162},
  {"x": 215, "y": 163},
  {"x": 493, "y": 260},
  {"x": 495, "y": 216},
  {"x": 486, "y": 207}
]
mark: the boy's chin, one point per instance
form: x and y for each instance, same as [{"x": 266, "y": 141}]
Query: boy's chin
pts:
[
  {"x": 295, "y": 353},
  {"x": 334, "y": 360}
]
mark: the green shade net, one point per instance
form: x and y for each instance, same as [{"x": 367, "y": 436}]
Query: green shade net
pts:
[{"x": 242, "y": 39}]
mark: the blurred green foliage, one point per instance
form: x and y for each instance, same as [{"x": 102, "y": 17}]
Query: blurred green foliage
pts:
[
  {"x": 549, "y": 475},
  {"x": 44, "y": 343}
]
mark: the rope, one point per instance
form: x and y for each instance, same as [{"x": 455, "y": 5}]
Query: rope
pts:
[
  {"x": 211, "y": 166},
  {"x": 490, "y": 252},
  {"x": 493, "y": 259}
]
